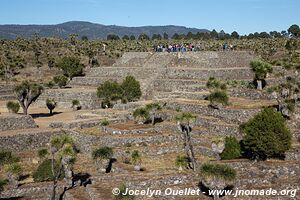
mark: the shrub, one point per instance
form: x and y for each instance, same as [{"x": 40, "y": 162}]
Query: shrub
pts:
[
  {"x": 7, "y": 157},
  {"x": 2, "y": 184},
  {"x": 104, "y": 122},
  {"x": 14, "y": 168},
  {"x": 213, "y": 83},
  {"x": 60, "y": 80},
  {"x": 50, "y": 84},
  {"x": 219, "y": 171},
  {"x": 44, "y": 171},
  {"x": 75, "y": 102},
  {"x": 131, "y": 89},
  {"x": 103, "y": 153},
  {"x": 42, "y": 153},
  {"x": 266, "y": 135},
  {"x": 232, "y": 149},
  {"x": 13, "y": 107},
  {"x": 136, "y": 157},
  {"x": 121, "y": 195},
  {"x": 218, "y": 97},
  {"x": 141, "y": 114},
  {"x": 181, "y": 161}
]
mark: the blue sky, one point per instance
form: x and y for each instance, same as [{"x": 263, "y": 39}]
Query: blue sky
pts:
[{"x": 243, "y": 16}]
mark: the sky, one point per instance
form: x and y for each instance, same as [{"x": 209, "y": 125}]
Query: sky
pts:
[{"x": 244, "y": 16}]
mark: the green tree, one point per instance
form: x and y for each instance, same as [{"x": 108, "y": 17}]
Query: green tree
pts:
[
  {"x": 235, "y": 35},
  {"x": 266, "y": 135},
  {"x": 71, "y": 67},
  {"x": 27, "y": 93},
  {"x": 131, "y": 89},
  {"x": 132, "y": 37},
  {"x": 294, "y": 30},
  {"x": 112, "y": 37},
  {"x": 143, "y": 36},
  {"x": 261, "y": 69},
  {"x": 109, "y": 91},
  {"x": 125, "y": 37}
]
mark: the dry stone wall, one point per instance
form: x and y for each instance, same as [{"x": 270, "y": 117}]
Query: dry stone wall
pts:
[{"x": 15, "y": 121}]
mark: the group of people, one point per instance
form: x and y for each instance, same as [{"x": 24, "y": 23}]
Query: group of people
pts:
[
  {"x": 175, "y": 48},
  {"x": 227, "y": 46}
]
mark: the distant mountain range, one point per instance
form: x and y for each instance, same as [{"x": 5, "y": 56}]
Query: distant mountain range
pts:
[{"x": 91, "y": 30}]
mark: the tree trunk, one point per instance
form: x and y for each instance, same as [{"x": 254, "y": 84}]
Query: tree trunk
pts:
[
  {"x": 259, "y": 84},
  {"x": 51, "y": 113},
  {"x": 216, "y": 196}
]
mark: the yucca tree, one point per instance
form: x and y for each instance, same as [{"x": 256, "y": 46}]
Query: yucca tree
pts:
[
  {"x": 261, "y": 70},
  {"x": 51, "y": 104},
  {"x": 217, "y": 177},
  {"x": 185, "y": 123},
  {"x": 218, "y": 146},
  {"x": 153, "y": 108},
  {"x": 27, "y": 93},
  {"x": 62, "y": 151},
  {"x": 102, "y": 157}
]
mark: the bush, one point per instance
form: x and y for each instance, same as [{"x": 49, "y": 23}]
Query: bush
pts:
[
  {"x": 104, "y": 122},
  {"x": 13, "y": 107},
  {"x": 218, "y": 97},
  {"x": 213, "y": 83},
  {"x": 131, "y": 89},
  {"x": 44, "y": 171},
  {"x": 136, "y": 157},
  {"x": 75, "y": 102},
  {"x": 266, "y": 135},
  {"x": 220, "y": 171},
  {"x": 232, "y": 149},
  {"x": 50, "y": 84},
  {"x": 7, "y": 157},
  {"x": 121, "y": 195},
  {"x": 2, "y": 184},
  {"x": 141, "y": 114},
  {"x": 181, "y": 161},
  {"x": 60, "y": 80},
  {"x": 42, "y": 153}
]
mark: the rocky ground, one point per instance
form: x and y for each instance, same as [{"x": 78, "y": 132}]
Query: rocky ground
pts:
[{"x": 178, "y": 83}]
